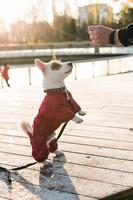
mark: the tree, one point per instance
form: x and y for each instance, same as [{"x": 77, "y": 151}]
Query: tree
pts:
[
  {"x": 19, "y": 32},
  {"x": 36, "y": 10},
  {"x": 126, "y": 16},
  {"x": 73, "y": 28},
  {"x": 64, "y": 28},
  {"x": 83, "y": 31},
  {"x": 3, "y": 31}
]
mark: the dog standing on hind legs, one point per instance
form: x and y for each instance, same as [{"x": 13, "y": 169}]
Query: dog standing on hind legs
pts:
[{"x": 54, "y": 109}]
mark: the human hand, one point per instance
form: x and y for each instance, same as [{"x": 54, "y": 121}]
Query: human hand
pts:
[{"x": 99, "y": 34}]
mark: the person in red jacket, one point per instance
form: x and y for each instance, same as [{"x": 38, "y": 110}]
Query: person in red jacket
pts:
[{"x": 4, "y": 73}]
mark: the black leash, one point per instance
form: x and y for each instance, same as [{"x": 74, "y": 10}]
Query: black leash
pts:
[
  {"x": 7, "y": 171},
  {"x": 33, "y": 163},
  {"x": 23, "y": 167}
]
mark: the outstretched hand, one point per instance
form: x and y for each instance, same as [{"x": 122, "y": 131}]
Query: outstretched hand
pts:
[{"x": 99, "y": 34}]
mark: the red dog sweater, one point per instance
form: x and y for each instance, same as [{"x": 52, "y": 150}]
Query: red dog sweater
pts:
[{"x": 54, "y": 111}]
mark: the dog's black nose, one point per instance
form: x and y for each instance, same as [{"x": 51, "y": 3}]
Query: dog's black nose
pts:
[{"x": 70, "y": 64}]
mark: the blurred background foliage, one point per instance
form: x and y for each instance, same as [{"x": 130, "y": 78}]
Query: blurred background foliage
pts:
[{"x": 64, "y": 26}]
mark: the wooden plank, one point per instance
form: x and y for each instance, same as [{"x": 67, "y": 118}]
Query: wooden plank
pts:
[
  {"x": 98, "y": 152},
  {"x": 2, "y": 197},
  {"x": 75, "y": 128},
  {"x": 105, "y": 143},
  {"x": 94, "y": 173},
  {"x": 23, "y": 189},
  {"x": 62, "y": 167},
  {"x": 97, "y": 125},
  {"x": 74, "y": 158},
  {"x": 90, "y": 120},
  {"x": 100, "y": 128},
  {"x": 67, "y": 184},
  {"x": 104, "y": 113},
  {"x": 105, "y": 171},
  {"x": 76, "y": 148},
  {"x": 79, "y": 138},
  {"x": 125, "y": 137}
]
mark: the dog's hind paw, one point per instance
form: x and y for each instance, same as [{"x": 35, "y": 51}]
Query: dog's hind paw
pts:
[
  {"x": 79, "y": 121},
  {"x": 82, "y": 113}
]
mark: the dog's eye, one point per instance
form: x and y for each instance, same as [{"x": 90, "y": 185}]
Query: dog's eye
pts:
[{"x": 55, "y": 66}]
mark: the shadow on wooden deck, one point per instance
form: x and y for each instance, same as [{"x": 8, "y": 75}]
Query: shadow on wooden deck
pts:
[{"x": 98, "y": 154}]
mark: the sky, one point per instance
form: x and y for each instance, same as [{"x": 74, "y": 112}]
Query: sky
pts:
[{"x": 11, "y": 10}]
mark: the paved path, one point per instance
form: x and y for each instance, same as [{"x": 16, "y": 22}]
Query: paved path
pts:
[{"x": 98, "y": 159}]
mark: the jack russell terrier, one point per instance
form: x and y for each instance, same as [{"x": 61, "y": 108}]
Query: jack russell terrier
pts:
[{"x": 54, "y": 109}]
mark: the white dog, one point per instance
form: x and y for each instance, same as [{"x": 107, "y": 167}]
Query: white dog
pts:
[{"x": 57, "y": 107}]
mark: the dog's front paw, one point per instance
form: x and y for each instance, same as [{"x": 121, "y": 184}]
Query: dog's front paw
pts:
[
  {"x": 82, "y": 113},
  {"x": 77, "y": 120}
]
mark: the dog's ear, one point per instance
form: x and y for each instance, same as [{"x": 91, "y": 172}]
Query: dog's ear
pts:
[{"x": 40, "y": 64}]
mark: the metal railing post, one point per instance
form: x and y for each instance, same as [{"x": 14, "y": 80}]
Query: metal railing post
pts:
[
  {"x": 1, "y": 80},
  {"x": 29, "y": 73},
  {"x": 93, "y": 69},
  {"x": 75, "y": 71},
  {"x": 108, "y": 68}
]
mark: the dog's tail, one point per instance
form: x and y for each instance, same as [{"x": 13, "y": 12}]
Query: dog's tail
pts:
[{"x": 26, "y": 127}]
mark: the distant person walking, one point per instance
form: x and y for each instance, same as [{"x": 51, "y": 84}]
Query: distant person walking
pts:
[
  {"x": 104, "y": 35},
  {"x": 4, "y": 73}
]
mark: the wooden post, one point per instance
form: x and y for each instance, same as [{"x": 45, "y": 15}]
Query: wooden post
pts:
[
  {"x": 97, "y": 49},
  {"x": 75, "y": 71}
]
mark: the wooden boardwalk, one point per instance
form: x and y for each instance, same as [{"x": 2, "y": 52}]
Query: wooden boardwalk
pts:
[{"x": 98, "y": 154}]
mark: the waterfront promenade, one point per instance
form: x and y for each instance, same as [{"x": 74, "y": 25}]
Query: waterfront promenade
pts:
[{"x": 98, "y": 154}]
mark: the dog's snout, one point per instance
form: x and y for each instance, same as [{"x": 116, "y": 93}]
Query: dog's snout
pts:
[{"x": 70, "y": 64}]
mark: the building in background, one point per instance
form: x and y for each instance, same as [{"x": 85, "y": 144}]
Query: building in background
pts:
[{"x": 96, "y": 14}]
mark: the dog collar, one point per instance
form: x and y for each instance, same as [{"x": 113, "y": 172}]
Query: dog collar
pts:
[{"x": 61, "y": 89}]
